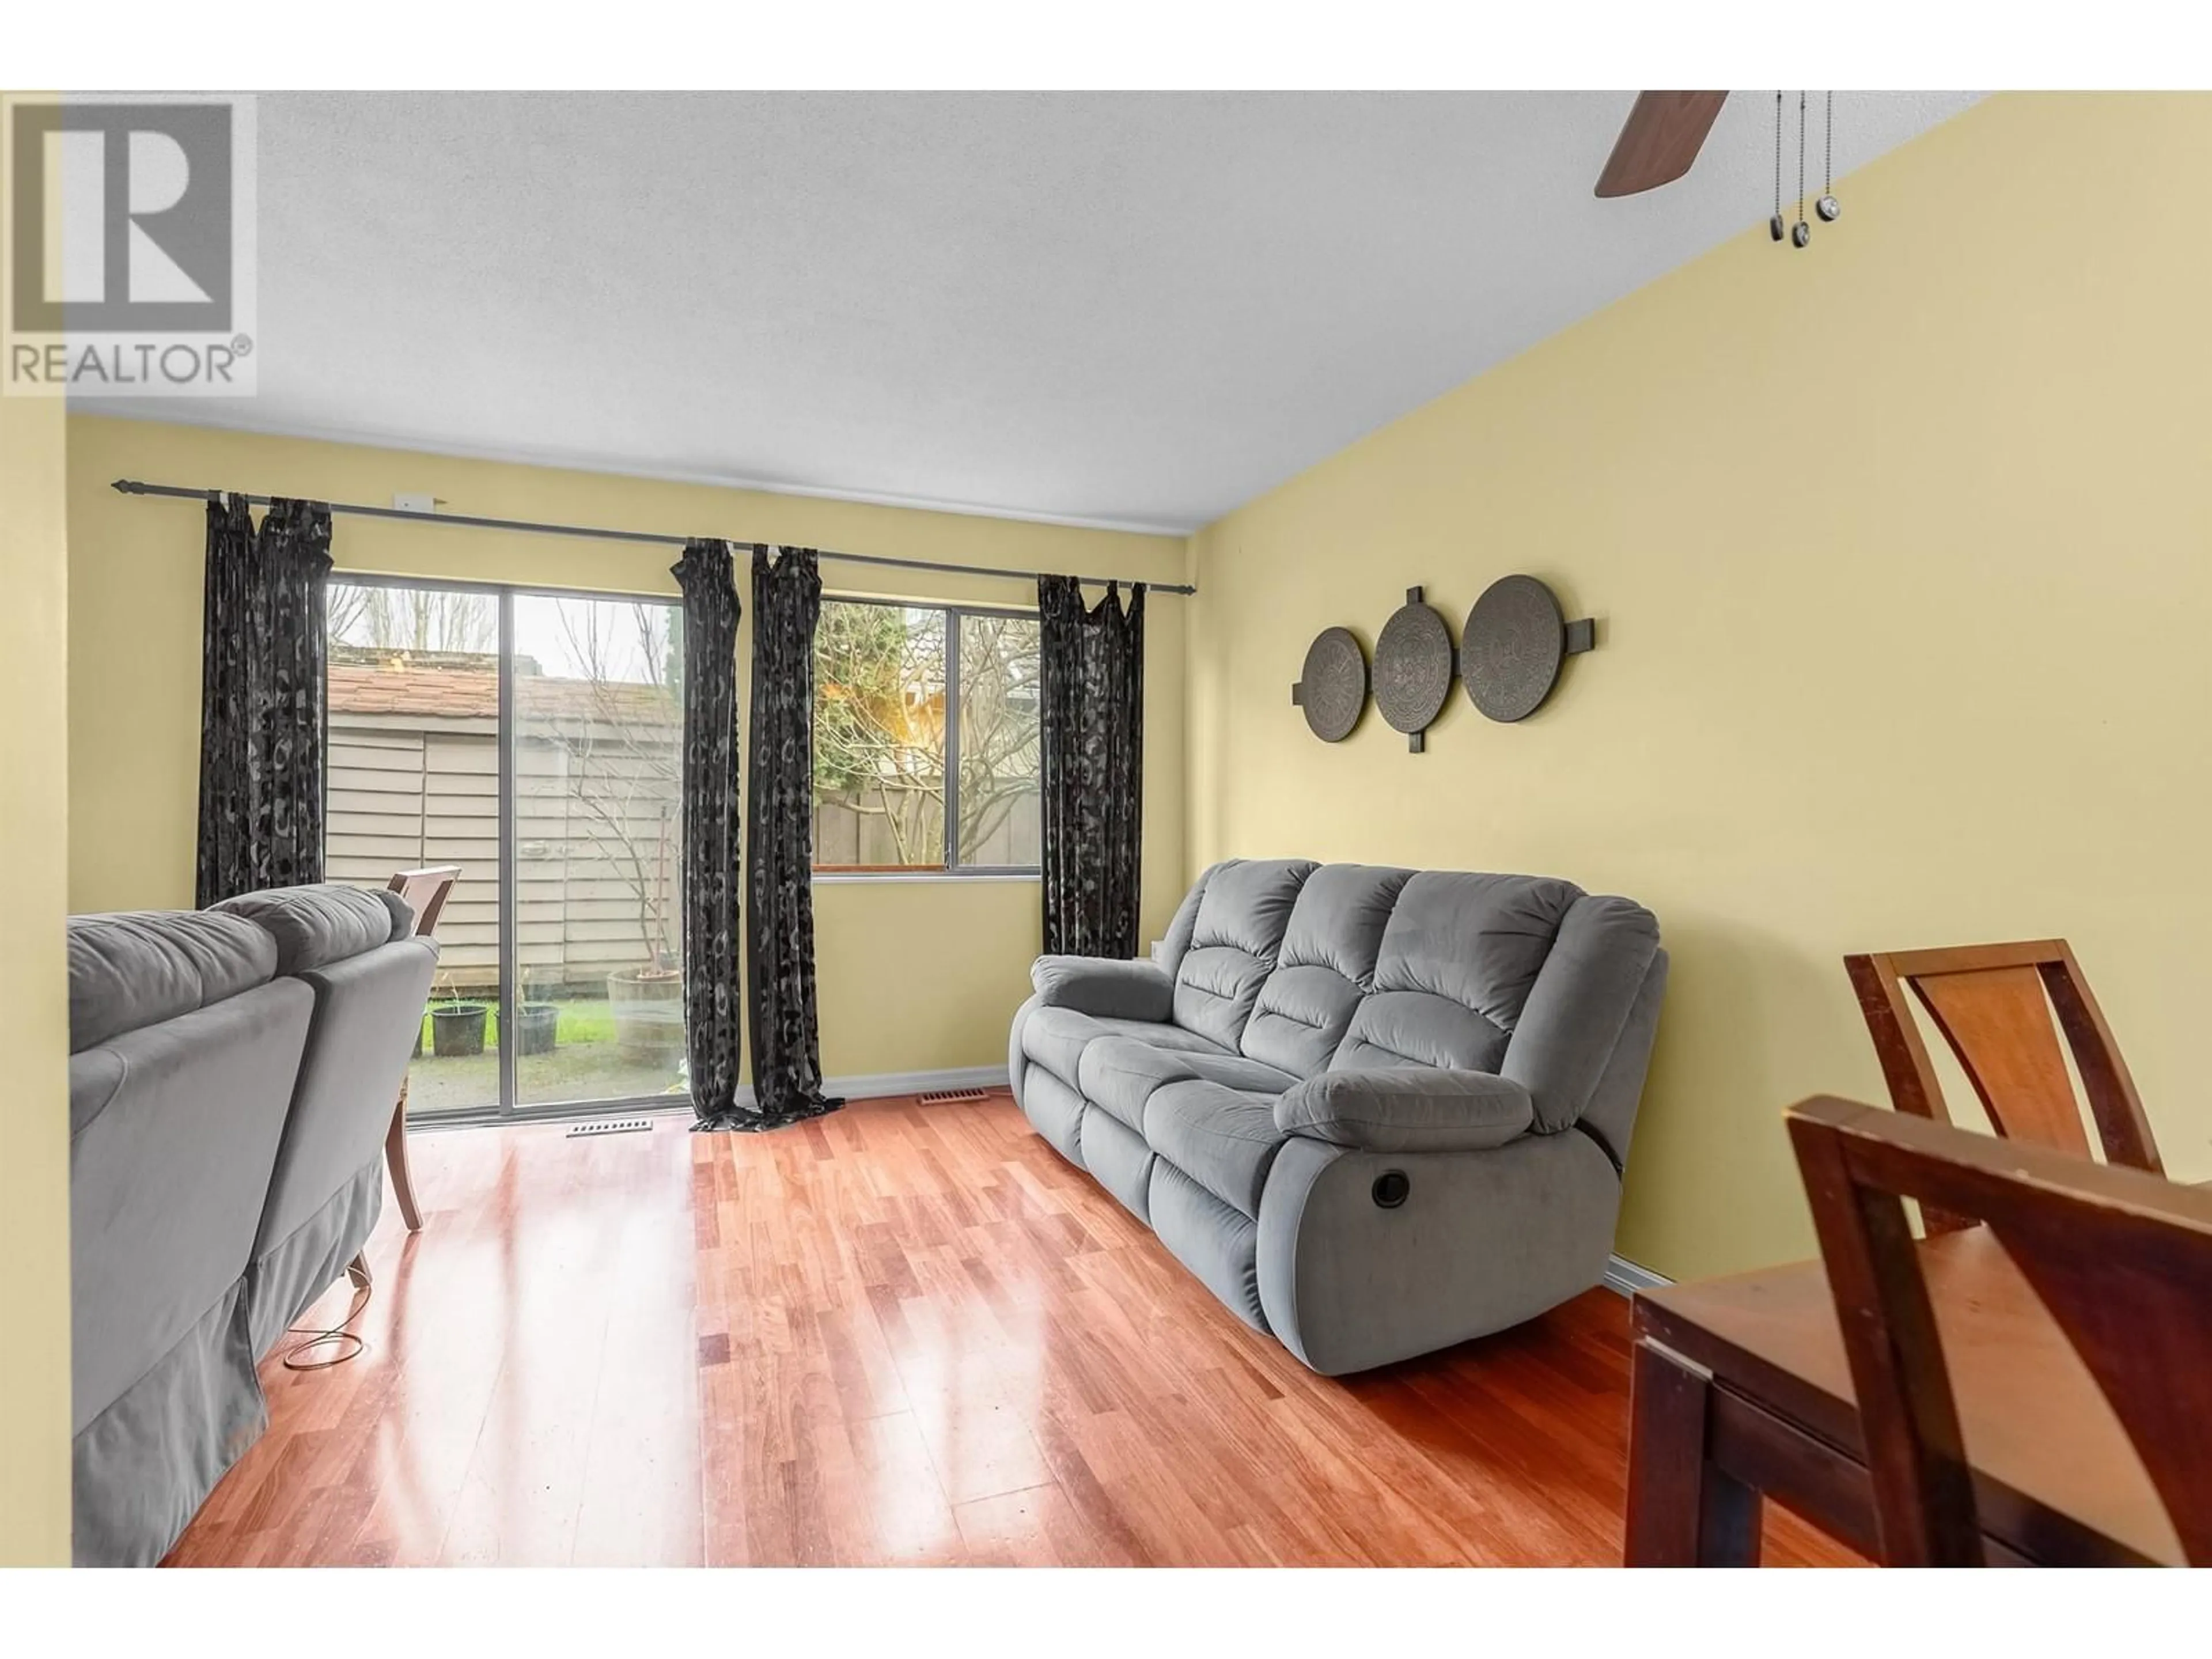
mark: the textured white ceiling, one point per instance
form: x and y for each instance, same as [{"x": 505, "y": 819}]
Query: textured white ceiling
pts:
[{"x": 1132, "y": 309}]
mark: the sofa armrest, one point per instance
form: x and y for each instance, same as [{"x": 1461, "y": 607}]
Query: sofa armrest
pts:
[
  {"x": 1407, "y": 1109},
  {"x": 1106, "y": 986}
]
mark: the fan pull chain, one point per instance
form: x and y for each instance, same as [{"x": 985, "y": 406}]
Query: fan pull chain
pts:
[
  {"x": 1775, "y": 225},
  {"x": 1801, "y": 233},
  {"x": 1828, "y": 207}
]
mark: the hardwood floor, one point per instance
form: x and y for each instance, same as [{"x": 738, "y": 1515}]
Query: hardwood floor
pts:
[{"x": 897, "y": 1334}]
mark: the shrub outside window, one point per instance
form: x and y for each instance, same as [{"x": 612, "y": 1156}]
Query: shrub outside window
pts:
[{"x": 925, "y": 742}]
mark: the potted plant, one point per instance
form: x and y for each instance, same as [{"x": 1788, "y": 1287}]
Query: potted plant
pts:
[
  {"x": 537, "y": 1024},
  {"x": 457, "y": 1028},
  {"x": 647, "y": 1005}
]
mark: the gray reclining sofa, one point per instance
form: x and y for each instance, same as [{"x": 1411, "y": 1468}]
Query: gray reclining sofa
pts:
[
  {"x": 1377, "y": 1112},
  {"x": 231, "y": 1075}
]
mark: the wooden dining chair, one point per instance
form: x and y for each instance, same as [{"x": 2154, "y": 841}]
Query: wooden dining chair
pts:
[
  {"x": 424, "y": 892},
  {"x": 1996, "y": 1006},
  {"x": 2121, "y": 1258}
]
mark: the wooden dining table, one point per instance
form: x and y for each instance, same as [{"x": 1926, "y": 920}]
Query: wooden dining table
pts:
[{"x": 1741, "y": 1393}]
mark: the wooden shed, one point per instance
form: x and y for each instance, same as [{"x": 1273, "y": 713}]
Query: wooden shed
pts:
[{"x": 414, "y": 780}]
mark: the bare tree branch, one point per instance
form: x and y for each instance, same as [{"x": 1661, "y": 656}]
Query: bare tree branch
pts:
[{"x": 623, "y": 769}]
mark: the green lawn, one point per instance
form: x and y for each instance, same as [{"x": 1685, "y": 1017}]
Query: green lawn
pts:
[
  {"x": 581, "y": 1022},
  {"x": 585, "y": 1065}
]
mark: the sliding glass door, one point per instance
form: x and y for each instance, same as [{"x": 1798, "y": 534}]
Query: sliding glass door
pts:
[
  {"x": 534, "y": 740},
  {"x": 599, "y": 775}
]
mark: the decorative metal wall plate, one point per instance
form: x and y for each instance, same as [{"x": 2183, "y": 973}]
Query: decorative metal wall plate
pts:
[
  {"x": 1332, "y": 688},
  {"x": 1510, "y": 650},
  {"x": 1413, "y": 668}
]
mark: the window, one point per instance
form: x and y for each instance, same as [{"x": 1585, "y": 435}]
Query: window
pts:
[
  {"x": 536, "y": 741},
  {"x": 926, "y": 745}
]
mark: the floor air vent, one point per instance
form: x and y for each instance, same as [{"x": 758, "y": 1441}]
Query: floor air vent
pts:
[
  {"x": 609, "y": 1126},
  {"x": 948, "y": 1096}
]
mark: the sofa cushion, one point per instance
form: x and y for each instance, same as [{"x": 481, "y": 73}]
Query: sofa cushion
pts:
[
  {"x": 1055, "y": 1038},
  {"x": 1119, "y": 1074},
  {"x": 1118, "y": 1160},
  {"x": 1057, "y": 1111},
  {"x": 174, "y": 1129},
  {"x": 1455, "y": 970},
  {"x": 1413, "y": 1028},
  {"x": 369, "y": 1014},
  {"x": 1235, "y": 936},
  {"x": 1218, "y": 1244},
  {"x": 1342, "y": 913},
  {"x": 324, "y": 922},
  {"x": 1223, "y": 1138},
  {"x": 137, "y": 967},
  {"x": 1237, "y": 1072},
  {"x": 1325, "y": 965}
]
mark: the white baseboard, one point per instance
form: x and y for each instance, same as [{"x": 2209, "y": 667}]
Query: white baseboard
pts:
[
  {"x": 875, "y": 1086},
  {"x": 1628, "y": 1277}
]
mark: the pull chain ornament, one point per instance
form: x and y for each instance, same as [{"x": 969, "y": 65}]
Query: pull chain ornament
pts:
[
  {"x": 1828, "y": 207},
  {"x": 1774, "y": 226},
  {"x": 1800, "y": 233}
]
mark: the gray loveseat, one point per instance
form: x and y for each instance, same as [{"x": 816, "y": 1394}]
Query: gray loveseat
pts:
[
  {"x": 231, "y": 1075},
  {"x": 1377, "y": 1112}
]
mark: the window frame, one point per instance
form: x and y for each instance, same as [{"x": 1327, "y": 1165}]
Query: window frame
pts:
[{"x": 951, "y": 870}]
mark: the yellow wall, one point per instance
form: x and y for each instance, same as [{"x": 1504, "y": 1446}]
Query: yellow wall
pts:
[
  {"x": 1899, "y": 549},
  {"x": 915, "y": 975},
  {"x": 34, "y": 1308}
]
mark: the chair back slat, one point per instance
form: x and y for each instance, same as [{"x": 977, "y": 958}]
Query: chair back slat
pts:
[
  {"x": 425, "y": 891},
  {"x": 2120, "y": 1257},
  {"x": 1999, "y": 1025},
  {"x": 2003, "y": 1010}
]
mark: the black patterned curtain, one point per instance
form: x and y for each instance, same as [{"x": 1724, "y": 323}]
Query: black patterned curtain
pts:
[
  {"x": 779, "y": 840},
  {"x": 714, "y": 1032},
  {"x": 262, "y": 653},
  {"x": 1092, "y": 726}
]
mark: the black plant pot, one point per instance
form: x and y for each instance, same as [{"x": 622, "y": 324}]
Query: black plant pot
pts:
[
  {"x": 458, "y": 1029},
  {"x": 536, "y": 1026}
]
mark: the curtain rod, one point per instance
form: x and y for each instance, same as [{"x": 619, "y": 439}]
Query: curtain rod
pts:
[{"x": 133, "y": 486}]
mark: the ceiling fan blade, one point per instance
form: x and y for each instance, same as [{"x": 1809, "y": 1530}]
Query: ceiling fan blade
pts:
[{"x": 1662, "y": 136}]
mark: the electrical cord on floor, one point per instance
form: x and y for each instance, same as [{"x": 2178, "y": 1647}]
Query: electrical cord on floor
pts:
[{"x": 348, "y": 1343}]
